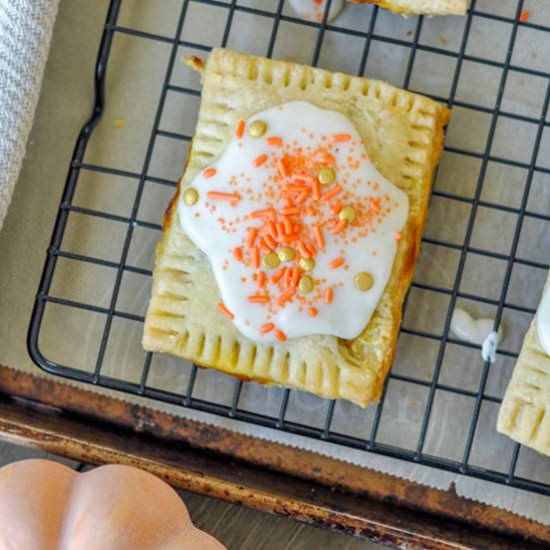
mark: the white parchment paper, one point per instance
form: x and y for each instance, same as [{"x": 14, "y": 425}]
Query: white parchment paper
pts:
[{"x": 136, "y": 70}]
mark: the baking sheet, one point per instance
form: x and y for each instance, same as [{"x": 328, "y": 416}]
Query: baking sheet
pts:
[{"x": 136, "y": 70}]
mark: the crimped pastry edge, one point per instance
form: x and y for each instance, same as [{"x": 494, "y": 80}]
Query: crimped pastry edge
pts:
[{"x": 425, "y": 7}]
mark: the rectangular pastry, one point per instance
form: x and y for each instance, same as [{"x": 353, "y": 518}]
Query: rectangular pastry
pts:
[
  {"x": 524, "y": 413},
  {"x": 286, "y": 253},
  {"x": 426, "y": 7}
]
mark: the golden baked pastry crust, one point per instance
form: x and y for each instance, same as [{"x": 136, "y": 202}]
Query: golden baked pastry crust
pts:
[
  {"x": 523, "y": 415},
  {"x": 426, "y": 7},
  {"x": 403, "y": 134}
]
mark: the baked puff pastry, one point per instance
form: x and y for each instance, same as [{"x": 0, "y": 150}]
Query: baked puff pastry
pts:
[
  {"x": 286, "y": 177},
  {"x": 425, "y": 7},
  {"x": 525, "y": 411}
]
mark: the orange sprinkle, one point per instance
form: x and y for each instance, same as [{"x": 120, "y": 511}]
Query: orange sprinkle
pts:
[
  {"x": 258, "y": 161},
  {"x": 288, "y": 277},
  {"x": 319, "y": 236},
  {"x": 260, "y": 280},
  {"x": 328, "y": 159},
  {"x": 295, "y": 277},
  {"x": 340, "y": 226},
  {"x": 271, "y": 228},
  {"x": 270, "y": 242},
  {"x": 312, "y": 312},
  {"x": 336, "y": 208},
  {"x": 280, "y": 229},
  {"x": 290, "y": 210},
  {"x": 209, "y": 172},
  {"x": 524, "y": 16},
  {"x": 280, "y": 335},
  {"x": 287, "y": 224},
  {"x": 240, "y": 129},
  {"x": 328, "y": 296},
  {"x": 252, "y": 236},
  {"x": 339, "y": 138},
  {"x": 336, "y": 263},
  {"x": 278, "y": 274},
  {"x": 257, "y": 299},
  {"x": 238, "y": 253},
  {"x": 374, "y": 205},
  {"x": 282, "y": 166},
  {"x": 331, "y": 193},
  {"x": 285, "y": 296},
  {"x": 311, "y": 211},
  {"x": 317, "y": 189},
  {"x": 311, "y": 248},
  {"x": 297, "y": 188},
  {"x": 398, "y": 236},
  {"x": 274, "y": 140},
  {"x": 219, "y": 195},
  {"x": 256, "y": 257},
  {"x": 264, "y": 213},
  {"x": 289, "y": 238},
  {"x": 304, "y": 177},
  {"x": 303, "y": 250},
  {"x": 225, "y": 311},
  {"x": 268, "y": 327}
]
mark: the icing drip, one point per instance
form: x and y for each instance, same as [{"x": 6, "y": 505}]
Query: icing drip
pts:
[
  {"x": 489, "y": 347},
  {"x": 543, "y": 321},
  {"x": 477, "y": 331},
  {"x": 314, "y": 10},
  {"x": 299, "y": 226}
]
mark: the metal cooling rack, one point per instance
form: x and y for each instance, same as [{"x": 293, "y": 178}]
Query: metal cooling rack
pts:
[{"x": 132, "y": 222}]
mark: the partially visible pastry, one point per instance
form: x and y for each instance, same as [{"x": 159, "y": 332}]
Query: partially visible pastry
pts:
[
  {"x": 525, "y": 411},
  {"x": 426, "y": 7},
  {"x": 291, "y": 243}
]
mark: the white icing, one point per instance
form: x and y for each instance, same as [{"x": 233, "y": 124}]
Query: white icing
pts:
[
  {"x": 543, "y": 321},
  {"x": 314, "y": 10},
  {"x": 477, "y": 331},
  {"x": 299, "y": 124},
  {"x": 489, "y": 347}
]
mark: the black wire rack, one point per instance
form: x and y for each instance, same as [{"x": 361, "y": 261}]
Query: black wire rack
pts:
[{"x": 277, "y": 12}]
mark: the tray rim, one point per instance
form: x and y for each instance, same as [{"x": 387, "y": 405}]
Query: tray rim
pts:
[{"x": 46, "y": 413}]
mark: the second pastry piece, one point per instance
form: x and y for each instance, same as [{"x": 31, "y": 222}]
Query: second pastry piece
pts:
[
  {"x": 524, "y": 413},
  {"x": 426, "y": 7}
]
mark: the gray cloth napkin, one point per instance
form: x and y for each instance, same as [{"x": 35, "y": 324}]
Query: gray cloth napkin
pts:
[{"x": 25, "y": 32}]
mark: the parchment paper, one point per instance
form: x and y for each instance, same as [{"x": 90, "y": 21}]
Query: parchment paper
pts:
[{"x": 136, "y": 70}]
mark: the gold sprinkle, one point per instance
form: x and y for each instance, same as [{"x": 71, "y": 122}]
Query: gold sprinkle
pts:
[
  {"x": 120, "y": 122},
  {"x": 286, "y": 254},
  {"x": 190, "y": 196},
  {"x": 307, "y": 264},
  {"x": 271, "y": 260},
  {"x": 306, "y": 284},
  {"x": 257, "y": 129},
  {"x": 348, "y": 213},
  {"x": 363, "y": 281},
  {"x": 326, "y": 176}
]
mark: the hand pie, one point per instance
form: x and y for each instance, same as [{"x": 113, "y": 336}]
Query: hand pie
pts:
[
  {"x": 292, "y": 239},
  {"x": 426, "y": 7},
  {"x": 524, "y": 413}
]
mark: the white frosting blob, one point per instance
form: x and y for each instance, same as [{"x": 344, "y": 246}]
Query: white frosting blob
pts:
[
  {"x": 369, "y": 244},
  {"x": 313, "y": 10},
  {"x": 543, "y": 321},
  {"x": 477, "y": 331},
  {"x": 489, "y": 347}
]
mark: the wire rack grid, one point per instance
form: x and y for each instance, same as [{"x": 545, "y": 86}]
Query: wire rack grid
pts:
[{"x": 478, "y": 393}]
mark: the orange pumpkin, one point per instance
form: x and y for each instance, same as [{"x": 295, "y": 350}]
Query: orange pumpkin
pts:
[{"x": 48, "y": 506}]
